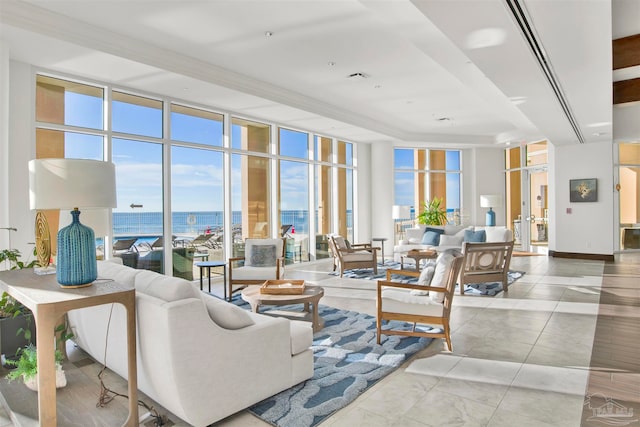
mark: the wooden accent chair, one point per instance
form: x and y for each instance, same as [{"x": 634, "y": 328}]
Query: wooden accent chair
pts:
[
  {"x": 486, "y": 262},
  {"x": 263, "y": 260},
  {"x": 420, "y": 303},
  {"x": 361, "y": 255}
]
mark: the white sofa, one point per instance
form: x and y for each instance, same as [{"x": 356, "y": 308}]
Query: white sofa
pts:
[
  {"x": 198, "y": 356},
  {"x": 452, "y": 237}
]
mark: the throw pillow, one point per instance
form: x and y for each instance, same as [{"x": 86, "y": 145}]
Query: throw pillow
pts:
[
  {"x": 496, "y": 234},
  {"x": 431, "y": 236},
  {"x": 263, "y": 255},
  {"x": 454, "y": 240},
  {"x": 227, "y": 315},
  {"x": 444, "y": 263},
  {"x": 475, "y": 236},
  {"x": 424, "y": 280}
]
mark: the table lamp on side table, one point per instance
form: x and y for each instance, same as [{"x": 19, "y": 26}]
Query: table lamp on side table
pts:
[
  {"x": 491, "y": 201},
  {"x": 72, "y": 184}
]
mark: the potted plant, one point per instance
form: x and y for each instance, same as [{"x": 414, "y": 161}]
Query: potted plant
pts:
[
  {"x": 16, "y": 326},
  {"x": 26, "y": 368},
  {"x": 433, "y": 213}
]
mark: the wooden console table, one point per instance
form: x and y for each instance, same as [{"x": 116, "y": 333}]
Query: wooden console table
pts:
[{"x": 49, "y": 302}]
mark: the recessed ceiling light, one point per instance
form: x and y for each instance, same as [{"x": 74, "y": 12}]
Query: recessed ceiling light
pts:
[
  {"x": 485, "y": 37},
  {"x": 443, "y": 119},
  {"x": 331, "y": 63},
  {"x": 268, "y": 33},
  {"x": 377, "y": 86},
  {"x": 517, "y": 100},
  {"x": 599, "y": 133}
]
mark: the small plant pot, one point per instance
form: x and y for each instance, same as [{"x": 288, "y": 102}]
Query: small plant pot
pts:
[{"x": 61, "y": 380}]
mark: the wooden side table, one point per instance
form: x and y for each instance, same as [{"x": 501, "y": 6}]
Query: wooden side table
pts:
[
  {"x": 49, "y": 302},
  {"x": 418, "y": 255},
  {"x": 381, "y": 240}
]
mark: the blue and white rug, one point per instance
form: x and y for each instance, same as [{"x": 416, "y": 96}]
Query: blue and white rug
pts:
[
  {"x": 347, "y": 361},
  {"x": 484, "y": 289}
]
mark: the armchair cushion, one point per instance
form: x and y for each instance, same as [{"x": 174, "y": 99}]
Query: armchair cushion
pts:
[
  {"x": 401, "y": 301},
  {"x": 227, "y": 315},
  {"x": 454, "y": 240},
  {"x": 256, "y": 273},
  {"x": 263, "y": 255}
]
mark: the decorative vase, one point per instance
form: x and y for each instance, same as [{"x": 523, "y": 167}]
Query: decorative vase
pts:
[
  {"x": 61, "y": 379},
  {"x": 77, "y": 264}
]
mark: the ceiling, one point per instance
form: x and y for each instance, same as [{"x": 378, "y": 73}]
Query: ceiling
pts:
[{"x": 436, "y": 72}]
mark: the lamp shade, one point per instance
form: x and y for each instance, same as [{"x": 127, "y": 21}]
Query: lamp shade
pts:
[
  {"x": 73, "y": 183},
  {"x": 400, "y": 212},
  {"x": 490, "y": 201}
]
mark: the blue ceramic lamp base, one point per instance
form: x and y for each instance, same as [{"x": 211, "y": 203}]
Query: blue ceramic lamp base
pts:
[
  {"x": 491, "y": 218},
  {"x": 77, "y": 266}
]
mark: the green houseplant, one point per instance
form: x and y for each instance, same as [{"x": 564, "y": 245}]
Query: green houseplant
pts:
[
  {"x": 26, "y": 368},
  {"x": 433, "y": 213}
]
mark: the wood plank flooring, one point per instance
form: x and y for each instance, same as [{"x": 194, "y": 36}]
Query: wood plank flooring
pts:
[{"x": 613, "y": 392}]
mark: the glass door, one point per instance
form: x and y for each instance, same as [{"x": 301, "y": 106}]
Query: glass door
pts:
[{"x": 538, "y": 211}]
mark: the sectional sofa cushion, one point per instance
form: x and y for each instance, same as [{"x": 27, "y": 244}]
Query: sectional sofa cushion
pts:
[{"x": 227, "y": 315}]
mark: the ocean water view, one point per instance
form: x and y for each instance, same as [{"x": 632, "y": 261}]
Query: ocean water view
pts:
[{"x": 195, "y": 223}]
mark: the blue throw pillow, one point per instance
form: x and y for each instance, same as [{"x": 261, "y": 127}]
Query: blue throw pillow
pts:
[
  {"x": 431, "y": 238},
  {"x": 479, "y": 236}
]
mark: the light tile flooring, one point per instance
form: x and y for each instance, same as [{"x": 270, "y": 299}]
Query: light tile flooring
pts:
[{"x": 521, "y": 358}]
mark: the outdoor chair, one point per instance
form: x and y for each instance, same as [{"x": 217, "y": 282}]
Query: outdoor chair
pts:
[
  {"x": 124, "y": 245},
  {"x": 427, "y": 303},
  {"x": 263, "y": 260},
  {"x": 361, "y": 255},
  {"x": 486, "y": 262}
]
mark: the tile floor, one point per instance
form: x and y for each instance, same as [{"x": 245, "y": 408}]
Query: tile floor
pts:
[{"x": 521, "y": 358}]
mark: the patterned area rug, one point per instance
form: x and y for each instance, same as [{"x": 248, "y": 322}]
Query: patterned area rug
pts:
[
  {"x": 347, "y": 361},
  {"x": 484, "y": 289}
]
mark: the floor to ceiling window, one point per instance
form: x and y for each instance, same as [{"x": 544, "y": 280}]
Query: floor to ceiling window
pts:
[
  {"x": 197, "y": 185},
  {"x": 69, "y": 124},
  {"x": 629, "y": 195},
  {"x": 293, "y": 190},
  {"x": 421, "y": 175},
  {"x": 323, "y": 154},
  {"x": 155, "y": 141}
]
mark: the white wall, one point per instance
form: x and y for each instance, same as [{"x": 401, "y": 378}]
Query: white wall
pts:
[
  {"x": 484, "y": 174},
  {"x": 4, "y": 144},
  {"x": 589, "y": 228},
  {"x": 382, "y": 194},
  {"x": 21, "y": 135},
  {"x": 363, "y": 194}
]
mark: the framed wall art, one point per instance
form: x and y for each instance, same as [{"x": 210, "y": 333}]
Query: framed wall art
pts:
[{"x": 583, "y": 190}]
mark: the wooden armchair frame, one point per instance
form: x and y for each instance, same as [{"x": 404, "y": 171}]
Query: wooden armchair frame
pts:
[
  {"x": 341, "y": 256},
  {"x": 486, "y": 262},
  {"x": 443, "y": 320}
]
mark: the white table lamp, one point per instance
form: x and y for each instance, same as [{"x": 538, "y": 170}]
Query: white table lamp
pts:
[
  {"x": 73, "y": 184},
  {"x": 491, "y": 201}
]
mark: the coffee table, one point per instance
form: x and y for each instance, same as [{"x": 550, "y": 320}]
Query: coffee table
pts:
[
  {"x": 418, "y": 255},
  {"x": 309, "y": 298}
]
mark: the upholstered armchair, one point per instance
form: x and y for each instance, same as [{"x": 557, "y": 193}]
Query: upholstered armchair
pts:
[
  {"x": 486, "y": 262},
  {"x": 428, "y": 302},
  {"x": 361, "y": 255},
  {"x": 263, "y": 261}
]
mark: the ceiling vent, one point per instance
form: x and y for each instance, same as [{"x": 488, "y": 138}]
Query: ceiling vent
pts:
[
  {"x": 355, "y": 77},
  {"x": 519, "y": 13}
]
